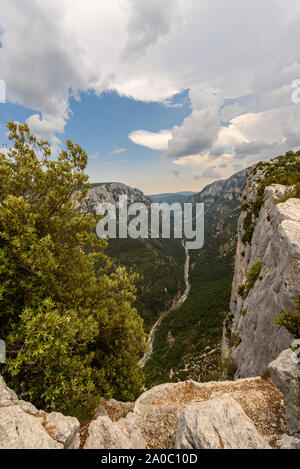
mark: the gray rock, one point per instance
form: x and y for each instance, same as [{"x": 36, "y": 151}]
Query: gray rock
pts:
[
  {"x": 65, "y": 430},
  {"x": 289, "y": 442},
  {"x": 30, "y": 408},
  {"x": 100, "y": 412},
  {"x": 124, "y": 411},
  {"x": 7, "y": 396},
  {"x": 22, "y": 425},
  {"x": 19, "y": 430},
  {"x": 124, "y": 434},
  {"x": 276, "y": 244},
  {"x": 286, "y": 375},
  {"x": 217, "y": 424}
]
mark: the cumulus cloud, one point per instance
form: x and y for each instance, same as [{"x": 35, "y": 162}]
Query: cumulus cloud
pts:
[
  {"x": 211, "y": 173},
  {"x": 148, "y": 23},
  {"x": 238, "y": 59},
  {"x": 153, "y": 140}
]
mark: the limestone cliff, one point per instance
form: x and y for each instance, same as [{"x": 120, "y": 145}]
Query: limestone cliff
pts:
[{"x": 268, "y": 251}]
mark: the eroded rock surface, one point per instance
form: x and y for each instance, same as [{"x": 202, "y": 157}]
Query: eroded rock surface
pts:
[
  {"x": 286, "y": 375},
  {"x": 22, "y": 426},
  {"x": 218, "y": 423},
  {"x": 251, "y": 338},
  {"x": 103, "y": 433}
]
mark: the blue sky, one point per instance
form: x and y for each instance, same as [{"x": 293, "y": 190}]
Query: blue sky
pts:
[
  {"x": 101, "y": 124},
  {"x": 164, "y": 96}
]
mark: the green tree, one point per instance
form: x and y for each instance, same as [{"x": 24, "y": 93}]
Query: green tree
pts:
[{"x": 65, "y": 310}]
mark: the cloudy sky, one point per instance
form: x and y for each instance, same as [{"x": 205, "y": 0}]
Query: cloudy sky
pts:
[{"x": 165, "y": 95}]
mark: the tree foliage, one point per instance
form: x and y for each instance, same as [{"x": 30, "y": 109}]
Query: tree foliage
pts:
[{"x": 65, "y": 310}]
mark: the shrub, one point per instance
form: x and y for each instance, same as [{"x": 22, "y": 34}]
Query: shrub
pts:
[
  {"x": 290, "y": 319},
  {"x": 251, "y": 277}
]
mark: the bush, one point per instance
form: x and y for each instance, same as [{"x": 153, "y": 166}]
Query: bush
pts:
[
  {"x": 251, "y": 277},
  {"x": 290, "y": 319}
]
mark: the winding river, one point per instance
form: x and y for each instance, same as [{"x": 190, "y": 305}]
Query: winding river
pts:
[{"x": 176, "y": 303}]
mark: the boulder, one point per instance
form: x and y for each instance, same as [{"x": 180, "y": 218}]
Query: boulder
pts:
[
  {"x": 19, "y": 430},
  {"x": 124, "y": 434},
  {"x": 65, "y": 430},
  {"x": 22, "y": 425},
  {"x": 217, "y": 424},
  {"x": 7, "y": 396},
  {"x": 289, "y": 442},
  {"x": 286, "y": 375}
]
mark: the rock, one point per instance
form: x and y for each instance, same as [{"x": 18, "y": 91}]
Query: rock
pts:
[
  {"x": 19, "y": 430},
  {"x": 100, "y": 412},
  {"x": 65, "y": 430},
  {"x": 288, "y": 442},
  {"x": 30, "y": 408},
  {"x": 286, "y": 375},
  {"x": 22, "y": 425},
  {"x": 251, "y": 337},
  {"x": 122, "y": 413},
  {"x": 7, "y": 396},
  {"x": 217, "y": 424},
  {"x": 124, "y": 434}
]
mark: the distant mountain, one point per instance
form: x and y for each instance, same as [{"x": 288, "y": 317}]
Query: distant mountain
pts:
[
  {"x": 159, "y": 262},
  {"x": 187, "y": 343},
  {"x": 170, "y": 197},
  {"x": 110, "y": 192}
]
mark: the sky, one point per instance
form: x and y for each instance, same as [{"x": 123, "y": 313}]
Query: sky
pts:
[{"x": 165, "y": 95}]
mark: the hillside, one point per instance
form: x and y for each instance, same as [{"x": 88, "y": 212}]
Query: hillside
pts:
[
  {"x": 267, "y": 266},
  {"x": 187, "y": 344},
  {"x": 159, "y": 262}
]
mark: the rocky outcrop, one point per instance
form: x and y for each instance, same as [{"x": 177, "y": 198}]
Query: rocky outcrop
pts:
[
  {"x": 109, "y": 192},
  {"x": 247, "y": 413},
  {"x": 286, "y": 375},
  {"x": 217, "y": 424},
  {"x": 251, "y": 339},
  {"x": 289, "y": 442},
  {"x": 22, "y": 426},
  {"x": 124, "y": 434},
  {"x": 158, "y": 411}
]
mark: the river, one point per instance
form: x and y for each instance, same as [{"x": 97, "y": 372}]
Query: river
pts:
[{"x": 176, "y": 303}]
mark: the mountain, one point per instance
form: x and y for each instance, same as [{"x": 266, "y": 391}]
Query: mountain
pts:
[
  {"x": 159, "y": 262},
  {"x": 267, "y": 266},
  {"x": 187, "y": 343},
  {"x": 170, "y": 198}
]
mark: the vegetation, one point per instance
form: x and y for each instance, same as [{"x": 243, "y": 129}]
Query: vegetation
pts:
[
  {"x": 251, "y": 277},
  {"x": 290, "y": 319},
  {"x": 285, "y": 170},
  {"x": 159, "y": 264},
  {"x": 65, "y": 310},
  {"x": 198, "y": 323}
]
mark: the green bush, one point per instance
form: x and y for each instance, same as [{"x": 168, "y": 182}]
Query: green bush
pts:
[
  {"x": 290, "y": 319},
  {"x": 251, "y": 276}
]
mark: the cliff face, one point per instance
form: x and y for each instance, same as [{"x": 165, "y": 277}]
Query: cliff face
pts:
[
  {"x": 109, "y": 192},
  {"x": 250, "y": 335}
]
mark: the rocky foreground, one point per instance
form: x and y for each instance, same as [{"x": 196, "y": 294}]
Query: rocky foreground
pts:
[{"x": 251, "y": 413}]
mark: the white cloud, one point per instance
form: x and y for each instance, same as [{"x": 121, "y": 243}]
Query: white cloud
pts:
[
  {"x": 240, "y": 56},
  {"x": 153, "y": 140},
  {"x": 118, "y": 151},
  {"x": 94, "y": 156}
]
